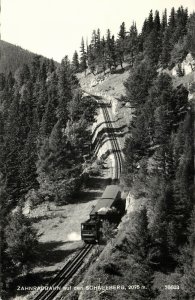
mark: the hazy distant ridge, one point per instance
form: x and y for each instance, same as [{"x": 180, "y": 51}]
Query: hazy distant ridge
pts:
[{"x": 12, "y": 57}]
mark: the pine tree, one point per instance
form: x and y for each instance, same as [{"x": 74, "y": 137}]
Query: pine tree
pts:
[
  {"x": 166, "y": 48},
  {"x": 139, "y": 238},
  {"x": 152, "y": 43},
  {"x": 52, "y": 88},
  {"x": 187, "y": 262},
  {"x": 164, "y": 21},
  {"x": 181, "y": 18},
  {"x": 2, "y": 81},
  {"x": 63, "y": 156},
  {"x": 75, "y": 62},
  {"x": 161, "y": 97},
  {"x": 51, "y": 66},
  {"x": 102, "y": 62},
  {"x": 2, "y": 142},
  {"x": 28, "y": 175},
  {"x": 150, "y": 22},
  {"x": 21, "y": 241},
  {"x": 148, "y": 26},
  {"x": 46, "y": 186},
  {"x": 42, "y": 99},
  {"x": 83, "y": 57},
  {"x": 13, "y": 148},
  {"x": 56, "y": 177},
  {"x": 162, "y": 124},
  {"x": 136, "y": 244},
  {"x": 26, "y": 109},
  {"x": 109, "y": 49},
  {"x": 35, "y": 67},
  {"x": 157, "y": 25},
  {"x": 7, "y": 269},
  {"x": 91, "y": 59},
  {"x": 144, "y": 31},
  {"x": 121, "y": 44},
  {"x": 113, "y": 52},
  {"x": 132, "y": 43},
  {"x": 66, "y": 65},
  {"x": 64, "y": 92},
  {"x": 42, "y": 72},
  {"x": 139, "y": 82},
  {"x": 22, "y": 75},
  {"x": 191, "y": 33},
  {"x": 152, "y": 46},
  {"x": 183, "y": 177},
  {"x": 159, "y": 194},
  {"x": 168, "y": 39},
  {"x": 49, "y": 119},
  {"x": 94, "y": 51},
  {"x": 172, "y": 21},
  {"x": 7, "y": 94},
  {"x": 143, "y": 274},
  {"x": 122, "y": 32},
  {"x": 98, "y": 52}
]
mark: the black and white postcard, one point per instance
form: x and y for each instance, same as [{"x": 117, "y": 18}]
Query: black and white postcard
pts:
[{"x": 96, "y": 149}]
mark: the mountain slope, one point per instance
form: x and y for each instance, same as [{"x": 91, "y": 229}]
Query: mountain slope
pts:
[{"x": 12, "y": 57}]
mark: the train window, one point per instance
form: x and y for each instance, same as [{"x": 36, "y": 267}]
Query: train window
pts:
[{"x": 88, "y": 227}]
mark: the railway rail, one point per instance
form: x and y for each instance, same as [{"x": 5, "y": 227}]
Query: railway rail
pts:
[
  {"x": 70, "y": 268},
  {"x": 114, "y": 142},
  {"x": 65, "y": 274},
  {"x": 111, "y": 136}
]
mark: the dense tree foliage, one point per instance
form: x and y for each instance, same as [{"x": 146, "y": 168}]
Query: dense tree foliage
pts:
[
  {"x": 45, "y": 121},
  {"x": 158, "y": 157},
  {"x": 164, "y": 41},
  {"x": 159, "y": 152}
]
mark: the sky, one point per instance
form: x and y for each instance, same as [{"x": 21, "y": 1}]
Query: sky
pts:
[{"x": 54, "y": 28}]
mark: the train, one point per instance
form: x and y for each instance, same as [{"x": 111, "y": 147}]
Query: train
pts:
[{"x": 109, "y": 207}]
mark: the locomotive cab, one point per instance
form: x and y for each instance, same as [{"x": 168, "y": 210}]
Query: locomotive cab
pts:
[{"x": 90, "y": 231}]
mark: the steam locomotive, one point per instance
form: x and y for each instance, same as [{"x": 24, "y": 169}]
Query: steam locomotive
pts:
[{"x": 109, "y": 207}]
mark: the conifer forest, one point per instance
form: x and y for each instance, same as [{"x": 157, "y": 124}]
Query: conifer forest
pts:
[{"x": 45, "y": 137}]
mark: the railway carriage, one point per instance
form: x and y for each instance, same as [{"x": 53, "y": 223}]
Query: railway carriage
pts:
[{"x": 109, "y": 207}]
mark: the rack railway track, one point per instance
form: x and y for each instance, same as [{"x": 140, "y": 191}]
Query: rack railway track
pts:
[
  {"x": 114, "y": 143},
  {"x": 65, "y": 274},
  {"x": 70, "y": 268},
  {"x": 111, "y": 136}
]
